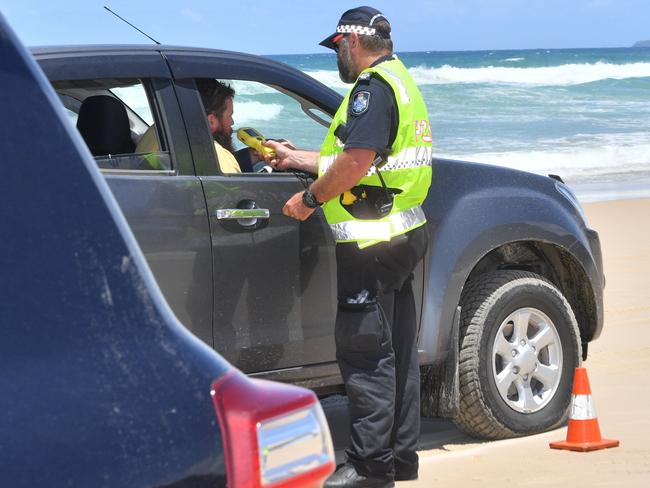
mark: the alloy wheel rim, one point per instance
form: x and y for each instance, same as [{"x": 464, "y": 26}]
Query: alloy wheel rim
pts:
[{"x": 527, "y": 360}]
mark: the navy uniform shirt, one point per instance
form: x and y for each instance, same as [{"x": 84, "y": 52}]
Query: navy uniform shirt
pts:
[{"x": 372, "y": 114}]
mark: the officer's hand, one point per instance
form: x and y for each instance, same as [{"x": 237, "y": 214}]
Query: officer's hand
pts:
[
  {"x": 282, "y": 159},
  {"x": 296, "y": 209},
  {"x": 284, "y": 142}
]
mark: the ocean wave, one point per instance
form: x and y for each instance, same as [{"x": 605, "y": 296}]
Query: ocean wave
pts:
[
  {"x": 250, "y": 88},
  {"x": 246, "y": 112},
  {"x": 513, "y": 60},
  {"x": 561, "y": 75},
  {"x": 571, "y": 163},
  {"x": 330, "y": 79}
]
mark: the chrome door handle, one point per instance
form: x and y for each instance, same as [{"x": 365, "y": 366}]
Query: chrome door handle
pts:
[
  {"x": 248, "y": 218},
  {"x": 242, "y": 213}
]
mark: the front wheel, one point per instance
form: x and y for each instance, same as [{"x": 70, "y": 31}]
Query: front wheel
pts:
[{"x": 519, "y": 346}]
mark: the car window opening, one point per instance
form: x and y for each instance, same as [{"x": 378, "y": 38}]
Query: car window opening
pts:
[{"x": 116, "y": 118}]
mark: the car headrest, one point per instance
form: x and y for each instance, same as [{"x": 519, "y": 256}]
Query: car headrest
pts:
[{"x": 104, "y": 125}]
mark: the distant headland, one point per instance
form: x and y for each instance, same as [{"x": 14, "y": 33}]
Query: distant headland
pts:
[{"x": 642, "y": 44}]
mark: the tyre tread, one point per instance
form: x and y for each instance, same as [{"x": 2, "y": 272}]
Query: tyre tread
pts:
[{"x": 475, "y": 416}]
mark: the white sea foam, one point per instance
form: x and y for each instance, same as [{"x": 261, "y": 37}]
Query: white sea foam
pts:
[
  {"x": 577, "y": 158},
  {"x": 329, "y": 78},
  {"x": 562, "y": 75},
  {"x": 513, "y": 60},
  {"x": 246, "y": 112},
  {"x": 243, "y": 87}
]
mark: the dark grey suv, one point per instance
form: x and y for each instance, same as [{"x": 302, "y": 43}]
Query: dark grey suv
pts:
[{"x": 509, "y": 294}]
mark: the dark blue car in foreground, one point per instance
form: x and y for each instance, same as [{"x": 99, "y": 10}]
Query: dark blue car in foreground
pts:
[{"x": 100, "y": 385}]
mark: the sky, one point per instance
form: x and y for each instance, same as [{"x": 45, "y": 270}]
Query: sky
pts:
[{"x": 292, "y": 27}]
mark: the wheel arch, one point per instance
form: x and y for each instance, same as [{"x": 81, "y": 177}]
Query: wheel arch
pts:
[
  {"x": 556, "y": 264},
  {"x": 558, "y": 256}
]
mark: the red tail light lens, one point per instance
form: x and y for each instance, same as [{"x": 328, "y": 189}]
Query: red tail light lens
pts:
[{"x": 275, "y": 435}]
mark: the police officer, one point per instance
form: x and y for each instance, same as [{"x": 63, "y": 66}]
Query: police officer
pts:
[{"x": 374, "y": 172}]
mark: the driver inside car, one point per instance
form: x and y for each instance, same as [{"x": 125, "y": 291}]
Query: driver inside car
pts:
[{"x": 217, "y": 100}]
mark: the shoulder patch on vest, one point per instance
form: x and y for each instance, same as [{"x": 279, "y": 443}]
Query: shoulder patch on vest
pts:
[{"x": 360, "y": 102}]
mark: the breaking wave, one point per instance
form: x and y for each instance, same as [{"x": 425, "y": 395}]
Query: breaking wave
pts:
[
  {"x": 329, "y": 78},
  {"x": 248, "y": 88},
  {"x": 246, "y": 112},
  {"x": 562, "y": 75},
  {"x": 601, "y": 155}
]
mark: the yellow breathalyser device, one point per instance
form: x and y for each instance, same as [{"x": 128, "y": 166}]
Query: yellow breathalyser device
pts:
[{"x": 254, "y": 140}]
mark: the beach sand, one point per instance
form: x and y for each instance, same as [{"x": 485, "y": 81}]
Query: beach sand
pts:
[{"x": 618, "y": 367}]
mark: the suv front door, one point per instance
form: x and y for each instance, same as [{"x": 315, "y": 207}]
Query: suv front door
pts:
[{"x": 275, "y": 277}]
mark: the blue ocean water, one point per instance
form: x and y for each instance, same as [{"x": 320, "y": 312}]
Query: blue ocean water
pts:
[{"x": 581, "y": 113}]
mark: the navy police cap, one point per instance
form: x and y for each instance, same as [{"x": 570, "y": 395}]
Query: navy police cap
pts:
[{"x": 359, "y": 20}]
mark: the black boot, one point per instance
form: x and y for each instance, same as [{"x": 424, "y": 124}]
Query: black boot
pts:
[
  {"x": 406, "y": 475},
  {"x": 346, "y": 476}
]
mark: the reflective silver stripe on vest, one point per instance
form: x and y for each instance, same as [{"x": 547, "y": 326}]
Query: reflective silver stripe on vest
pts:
[
  {"x": 411, "y": 157},
  {"x": 359, "y": 230},
  {"x": 395, "y": 224},
  {"x": 403, "y": 93},
  {"x": 325, "y": 162}
]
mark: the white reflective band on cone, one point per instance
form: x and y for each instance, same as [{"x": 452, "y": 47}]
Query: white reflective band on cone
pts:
[
  {"x": 397, "y": 223},
  {"x": 582, "y": 408}
]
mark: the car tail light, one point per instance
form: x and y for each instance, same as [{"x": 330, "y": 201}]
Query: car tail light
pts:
[{"x": 275, "y": 435}]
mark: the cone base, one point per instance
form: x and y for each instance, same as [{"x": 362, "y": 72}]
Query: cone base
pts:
[{"x": 584, "y": 446}]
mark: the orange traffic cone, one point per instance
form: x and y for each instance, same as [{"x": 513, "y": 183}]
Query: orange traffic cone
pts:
[{"x": 583, "y": 434}]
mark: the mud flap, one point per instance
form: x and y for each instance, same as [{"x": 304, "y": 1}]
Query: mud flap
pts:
[{"x": 440, "y": 390}]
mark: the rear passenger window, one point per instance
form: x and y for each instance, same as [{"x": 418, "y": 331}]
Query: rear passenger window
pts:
[{"x": 117, "y": 120}]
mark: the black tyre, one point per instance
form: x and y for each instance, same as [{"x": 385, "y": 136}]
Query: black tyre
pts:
[{"x": 519, "y": 345}]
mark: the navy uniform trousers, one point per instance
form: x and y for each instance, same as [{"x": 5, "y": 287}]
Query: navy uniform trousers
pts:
[{"x": 376, "y": 349}]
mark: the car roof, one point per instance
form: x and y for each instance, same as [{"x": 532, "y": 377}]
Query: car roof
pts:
[
  {"x": 184, "y": 54},
  {"x": 126, "y": 49},
  {"x": 117, "y": 47}
]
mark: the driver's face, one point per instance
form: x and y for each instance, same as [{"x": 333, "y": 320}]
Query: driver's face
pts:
[
  {"x": 221, "y": 126},
  {"x": 226, "y": 121},
  {"x": 223, "y": 123}
]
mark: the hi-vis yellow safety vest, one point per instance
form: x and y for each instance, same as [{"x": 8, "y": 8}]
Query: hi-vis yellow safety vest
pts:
[{"x": 408, "y": 168}]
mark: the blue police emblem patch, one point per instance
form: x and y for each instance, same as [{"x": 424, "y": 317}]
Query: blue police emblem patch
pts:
[{"x": 360, "y": 102}]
